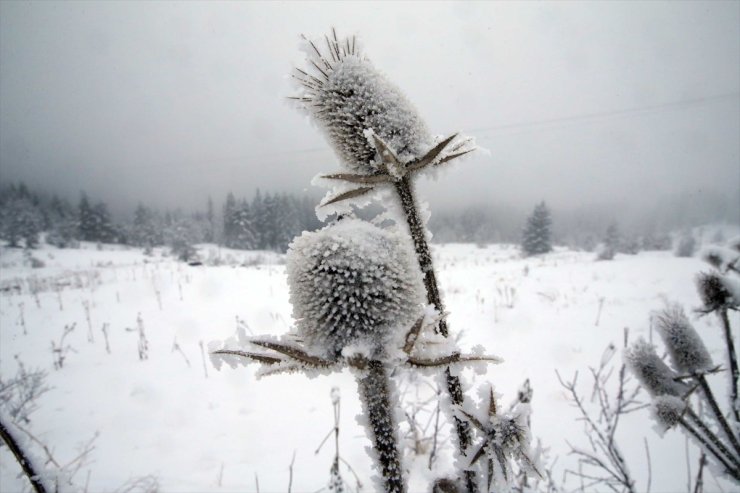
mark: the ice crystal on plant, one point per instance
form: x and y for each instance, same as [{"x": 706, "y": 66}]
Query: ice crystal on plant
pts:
[
  {"x": 687, "y": 350},
  {"x": 654, "y": 375},
  {"x": 351, "y": 283},
  {"x": 347, "y": 96}
]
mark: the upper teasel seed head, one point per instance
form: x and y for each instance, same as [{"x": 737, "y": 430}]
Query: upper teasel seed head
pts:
[
  {"x": 713, "y": 292},
  {"x": 352, "y": 282},
  {"x": 347, "y": 96},
  {"x": 654, "y": 375},
  {"x": 687, "y": 350}
]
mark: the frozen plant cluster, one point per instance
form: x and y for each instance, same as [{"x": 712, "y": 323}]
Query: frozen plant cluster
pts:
[
  {"x": 352, "y": 282},
  {"x": 359, "y": 291},
  {"x": 716, "y": 431}
]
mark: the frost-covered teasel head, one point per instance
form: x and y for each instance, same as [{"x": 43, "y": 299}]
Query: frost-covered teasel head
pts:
[
  {"x": 654, "y": 375},
  {"x": 668, "y": 411},
  {"x": 687, "y": 350},
  {"x": 352, "y": 282},
  {"x": 347, "y": 96},
  {"x": 713, "y": 292}
]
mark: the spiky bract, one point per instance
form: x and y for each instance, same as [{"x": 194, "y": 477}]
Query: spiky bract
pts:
[
  {"x": 348, "y": 96},
  {"x": 352, "y": 282},
  {"x": 687, "y": 350},
  {"x": 654, "y": 375}
]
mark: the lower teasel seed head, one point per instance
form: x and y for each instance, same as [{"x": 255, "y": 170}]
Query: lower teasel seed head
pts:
[{"x": 351, "y": 283}]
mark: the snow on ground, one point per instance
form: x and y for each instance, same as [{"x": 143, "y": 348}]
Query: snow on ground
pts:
[{"x": 228, "y": 431}]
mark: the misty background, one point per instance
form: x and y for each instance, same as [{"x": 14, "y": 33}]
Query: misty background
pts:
[{"x": 607, "y": 111}]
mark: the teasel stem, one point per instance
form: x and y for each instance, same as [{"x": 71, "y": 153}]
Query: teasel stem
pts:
[
  {"x": 33, "y": 476},
  {"x": 709, "y": 395},
  {"x": 713, "y": 439},
  {"x": 734, "y": 371},
  {"x": 374, "y": 390},
  {"x": 730, "y": 469},
  {"x": 405, "y": 191}
]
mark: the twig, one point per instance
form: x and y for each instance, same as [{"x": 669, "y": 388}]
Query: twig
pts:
[
  {"x": 105, "y": 336},
  {"x": 734, "y": 371},
  {"x": 20, "y": 455},
  {"x": 203, "y": 357},
  {"x": 717, "y": 412},
  {"x": 598, "y": 313},
  {"x": 290, "y": 473},
  {"x": 176, "y": 347},
  {"x": 649, "y": 465},
  {"x": 699, "y": 485}
]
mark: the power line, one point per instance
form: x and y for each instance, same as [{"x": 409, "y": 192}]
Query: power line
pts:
[
  {"x": 608, "y": 114},
  {"x": 635, "y": 111}
]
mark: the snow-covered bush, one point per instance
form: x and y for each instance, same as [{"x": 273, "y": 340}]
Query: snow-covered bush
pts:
[
  {"x": 685, "y": 245},
  {"x": 604, "y": 252}
]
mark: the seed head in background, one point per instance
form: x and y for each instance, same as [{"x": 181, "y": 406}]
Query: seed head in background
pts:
[
  {"x": 654, "y": 375},
  {"x": 352, "y": 282},
  {"x": 687, "y": 350},
  {"x": 347, "y": 96}
]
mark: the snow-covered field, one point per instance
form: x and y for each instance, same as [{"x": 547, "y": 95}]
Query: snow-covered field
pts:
[{"x": 198, "y": 429}]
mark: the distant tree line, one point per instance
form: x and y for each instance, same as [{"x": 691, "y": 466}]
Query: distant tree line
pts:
[
  {"x": 623, "y": 228},
  {"x": 268, "y": 221}
]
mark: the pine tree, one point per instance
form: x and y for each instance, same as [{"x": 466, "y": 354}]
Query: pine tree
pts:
[
  {"x": 103, "y": 231},
  {"x": 179, "y": 235},
  {"x": 21, "y": 220},
  {"x": 536, "y": 235},
  {"x": 62, "y": 224},
  {"x": 210, "y": 232},
  {"x": 146, "y": 231},
  {"x": 229, "y": 220},
  {"x": 244, "y": 237},
  {"x": 86, "y": 219}
]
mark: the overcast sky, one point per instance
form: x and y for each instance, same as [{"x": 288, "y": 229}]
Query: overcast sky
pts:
[{"x": 168, "y": 103}]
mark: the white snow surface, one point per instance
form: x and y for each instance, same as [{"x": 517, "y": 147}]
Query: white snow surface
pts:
[{"x": 163, "y": 416}]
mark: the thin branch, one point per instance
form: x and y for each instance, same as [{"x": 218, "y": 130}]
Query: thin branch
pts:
[
  {"x": 733, "y": 472},
  {"x": 649, "y": 464},
  {"x": 20, "y": 455},
  {"x": 717, "y": 412},
  {"x": 362, "y": 179},
  {"x": 293, "y": 352},
  {"x": 357, "y": 192},
  {"x": 450, "y": 359},
  {"x": 734, "y": 371}
]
